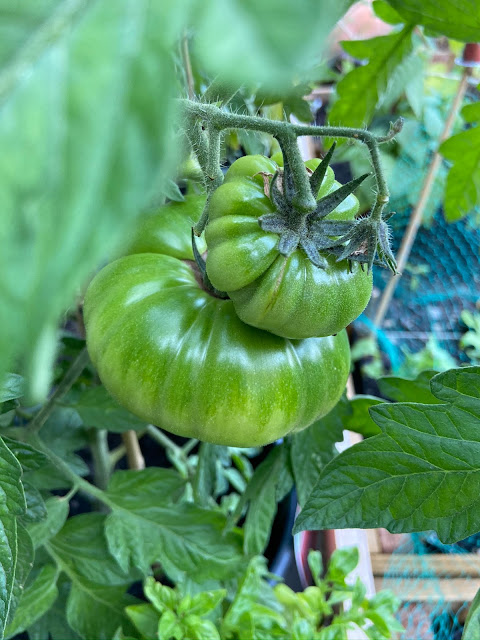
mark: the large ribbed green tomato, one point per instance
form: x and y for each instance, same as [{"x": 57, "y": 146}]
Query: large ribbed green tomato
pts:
[
  {"x": 290, "y": 297},
  {"x": 181, "y": 359}
]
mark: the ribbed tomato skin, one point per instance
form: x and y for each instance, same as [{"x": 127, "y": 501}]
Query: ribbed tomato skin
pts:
[
  {"x": 289, "y": 297},
  {"x": 182, "y": 359}
]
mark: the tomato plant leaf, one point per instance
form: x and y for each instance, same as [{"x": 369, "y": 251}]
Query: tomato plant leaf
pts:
[
  {"x": 29, "y": 458},
  {"x": 98, "y": 409},
  {"x": 407, "y": 390},
  {"x": 257, "y": 33},
  {"x": 386, "y": 13},
  {"x": 36, "y": 600},
  {"x": 471, "y": 112},
  {"x": 43, "y": 531},
  {"x": 53, "y": 623},
  {"x": 96, "y": 611},
  {"x": 12, "y": 498},
  {"x": 420, "y": 473},
  {"x": 269, "y": 484},
  {"x": 145, "y": 618},
  {"x": 96, "y": 601},
  {"x": 147, "y": 526},
  {"x": 85, "y": 92},
  {"x": 312, "y": 448},
  {"x": 206, "y": 472},
  {"x": 16, "y": 551},
  {"x": 457, "y": 20},
  {"x": 24, "y": 562},
  {"x": 11, "y": 387},
  {"x": 81, "y": 550},
  {"x": 359, "y": 92},
  {"x": 360, "y": 420},
  {"x": 462, "y": 192},
  {"x": 63, "y": 433},
  {"x": 471, "y": 628},
  {"x": 36, "y": 510}
]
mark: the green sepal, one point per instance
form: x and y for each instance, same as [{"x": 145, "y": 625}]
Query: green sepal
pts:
[
  {"x": 288, "y": 242},
  {"x": 318, "y": 175},
  {"x": 329, "y": 202}
]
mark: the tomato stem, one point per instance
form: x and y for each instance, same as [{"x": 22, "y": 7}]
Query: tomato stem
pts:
[{"x": 298, "y": 190}]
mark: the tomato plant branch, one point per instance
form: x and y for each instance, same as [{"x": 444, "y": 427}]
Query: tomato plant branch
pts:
[
  {"x": 78, "y": 483},
  {"x": 178, "y": 456},
  {"x": 101, "y": 457},
  {"x": 188, "y": 446},
  {"x": 366, "y": 237},
  {"x": 65, "y": 385},
  {"x": 303, "y": 199}
]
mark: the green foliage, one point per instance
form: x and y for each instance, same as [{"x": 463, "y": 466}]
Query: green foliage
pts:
[
  {"x": 146, "y": 524},
  {"x": 313, "y": 448},
  {"x": 386, "y": 13},
  {"x": 98, "y": 409},
  {"x": 470, "y": 341},
  {"x": 401, "y": 389},
  {"x": 404, "y": 478},
  {"x": 455, "y": 20},
  {"x": 364, "y": 87},
  {"x": 234, "y": 31},
  {"x": 462, "y": 193},
  {"x": 269, "y": 484},
  {"x": 36, "y": 600},
  {"x": 12, "y": 387},
  {"x": 471, "y": 628},
  {"x": 12, "y": 505},
  {"x": 260, "y": 611},
  {"x": 432, "y": 356},
  {"x": 92, "y": 113}
]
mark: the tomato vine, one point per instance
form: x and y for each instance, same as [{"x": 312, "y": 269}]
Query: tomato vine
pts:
[{"x": 366, "y": 238}]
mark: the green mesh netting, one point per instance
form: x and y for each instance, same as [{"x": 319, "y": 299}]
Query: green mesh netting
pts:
[
  {"x": 435, "y": 616},
  {"x": 442, "y": 279}
]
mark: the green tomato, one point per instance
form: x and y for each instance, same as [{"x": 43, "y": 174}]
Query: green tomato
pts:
[
  {"x": 288, "y": 296},
  {"x": 180, "y": 358},
  {"x": 168, "y": 230}
]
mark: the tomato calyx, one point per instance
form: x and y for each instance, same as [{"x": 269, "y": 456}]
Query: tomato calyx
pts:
[
  {"x": 309, "y": 231},
  {"x": 366, "y": 238}
]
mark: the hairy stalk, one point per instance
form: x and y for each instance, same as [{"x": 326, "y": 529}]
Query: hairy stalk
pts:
[
  {"x": 214, "y": 172},
  {"x": 65, "y": 385},
  {"x": 286, "y": 131},
  {"x": 303, "y": 199},
  {"x": 199, "y": 141}
]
